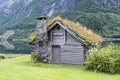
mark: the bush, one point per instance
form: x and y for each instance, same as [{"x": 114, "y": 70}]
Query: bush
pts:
[
  {"x": 34, "y": 57},
  {"x": 106, "y": 59},
  {"x": 39, "y": 58},
  {"x": 2, "y": 57}
]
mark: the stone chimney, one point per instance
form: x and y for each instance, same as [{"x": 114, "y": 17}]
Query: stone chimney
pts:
[
  {"x": 41, "y": 39},
  {"x": 41, "y": 29}
]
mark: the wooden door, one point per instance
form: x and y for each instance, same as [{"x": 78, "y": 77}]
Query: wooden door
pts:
[{"x": 56, "y": 54}]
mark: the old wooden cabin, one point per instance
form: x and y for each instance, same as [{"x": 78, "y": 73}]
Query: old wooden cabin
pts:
[{"x": 62, "y": 41}]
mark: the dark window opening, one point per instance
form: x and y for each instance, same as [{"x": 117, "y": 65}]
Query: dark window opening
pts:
[{"x": 58, "y": 28}]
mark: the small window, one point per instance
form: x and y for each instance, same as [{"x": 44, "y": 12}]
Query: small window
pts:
[{"x": 58, "y": 28}]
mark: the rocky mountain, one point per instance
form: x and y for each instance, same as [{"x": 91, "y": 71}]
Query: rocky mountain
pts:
[{"x": 102, "y": 16}]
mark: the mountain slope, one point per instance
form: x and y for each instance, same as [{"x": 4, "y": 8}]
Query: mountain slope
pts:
[{"x": 100, "y": 15}]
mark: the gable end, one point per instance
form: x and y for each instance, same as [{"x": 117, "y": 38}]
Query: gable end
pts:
[{"x": 69, "y": 31}]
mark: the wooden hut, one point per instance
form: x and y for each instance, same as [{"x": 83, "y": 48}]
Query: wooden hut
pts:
[{"x": 62, "y": 41}]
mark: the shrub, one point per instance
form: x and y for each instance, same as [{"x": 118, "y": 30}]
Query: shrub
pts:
[
  {"x": 39, "y": 58},
  {"x": 2, "y": 57},
  {"x": 34, "y": 57},
  {"x": 106, "y": 59}
]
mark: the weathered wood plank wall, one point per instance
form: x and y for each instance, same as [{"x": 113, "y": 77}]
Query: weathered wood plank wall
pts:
[{"x": 72, "y": 51}]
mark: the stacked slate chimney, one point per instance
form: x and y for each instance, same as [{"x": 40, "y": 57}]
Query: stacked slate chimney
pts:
[{"x": 41, "y": 40}]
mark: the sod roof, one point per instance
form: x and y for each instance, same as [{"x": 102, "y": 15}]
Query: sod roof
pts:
[{"x": 79, "y": 30}]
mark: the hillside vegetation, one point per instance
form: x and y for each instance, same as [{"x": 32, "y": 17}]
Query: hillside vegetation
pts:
[{"x": 102, "y": 16}]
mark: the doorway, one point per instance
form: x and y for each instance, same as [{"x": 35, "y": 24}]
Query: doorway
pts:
[{"x": 56, "y": 54}]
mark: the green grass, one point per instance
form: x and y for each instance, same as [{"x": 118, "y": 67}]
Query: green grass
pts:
[{"x": 21, "y": 68}]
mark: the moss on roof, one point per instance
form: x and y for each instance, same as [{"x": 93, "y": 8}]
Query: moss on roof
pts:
[
  {"x": 32, "y": 37},
  {"x": 81, "y": 31}
]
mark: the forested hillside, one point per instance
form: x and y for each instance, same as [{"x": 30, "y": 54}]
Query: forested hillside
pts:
[{"x": 100, "y": 15}]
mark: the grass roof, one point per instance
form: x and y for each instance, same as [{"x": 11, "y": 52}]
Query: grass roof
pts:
[
  {"x": 78, "y": 29},
  {"x": 32, "y": 37},
  {"x": 81, "y": 31}
]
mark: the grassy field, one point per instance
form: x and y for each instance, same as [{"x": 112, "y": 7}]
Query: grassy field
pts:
[{"x": 21, "y": 68}]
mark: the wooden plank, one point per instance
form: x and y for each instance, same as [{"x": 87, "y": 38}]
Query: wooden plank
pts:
[
  {"x": 65, "y": 39},
  {"x": 71, "y": 40},
  {"x": 71, "y": 54},
  {"x": 58, "y": 35}
]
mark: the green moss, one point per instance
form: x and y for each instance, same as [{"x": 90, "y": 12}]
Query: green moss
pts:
[{"x": 32, "y": 37}]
